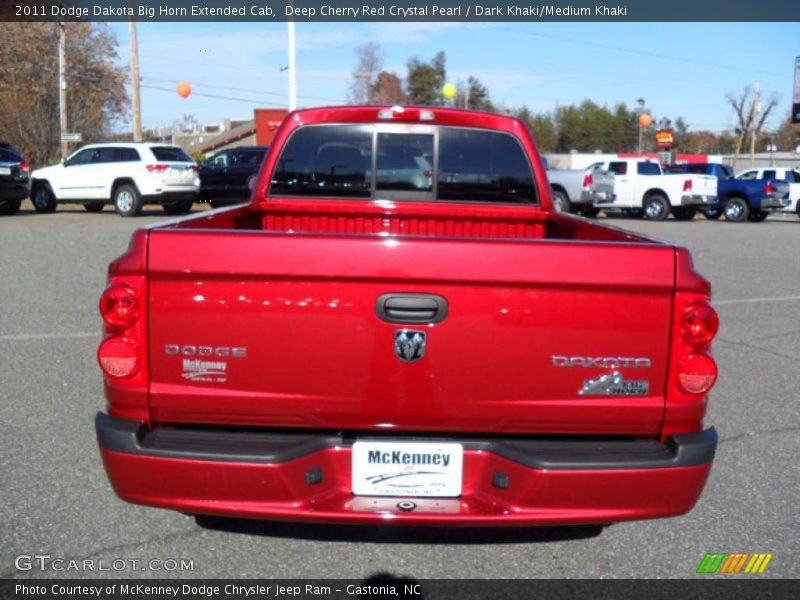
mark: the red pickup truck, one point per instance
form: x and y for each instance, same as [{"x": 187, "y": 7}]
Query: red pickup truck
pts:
[{"x": 399, "y": 328}]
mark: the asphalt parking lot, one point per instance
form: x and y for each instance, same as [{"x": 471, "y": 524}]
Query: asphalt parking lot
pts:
[{"x": 57, "y": 501}]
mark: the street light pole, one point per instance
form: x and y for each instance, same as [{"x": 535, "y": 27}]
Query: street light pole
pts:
[
  {"x": 292, "y": 68},
  {"x": 640, "y": 102}
]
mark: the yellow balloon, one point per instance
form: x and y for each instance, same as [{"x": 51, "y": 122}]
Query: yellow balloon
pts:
[{"x": 449, "y": 91}]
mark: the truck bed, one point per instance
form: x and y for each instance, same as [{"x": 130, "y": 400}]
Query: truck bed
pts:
[
  {"x": 296, "y": 284},
  {"x": 486, "y": 222}
]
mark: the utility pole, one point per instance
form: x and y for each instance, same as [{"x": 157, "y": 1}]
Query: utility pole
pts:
[
  {"x": 292, "y": 68},
  {"x": 136, "y": 98},
  {"x": 756, "y": 109},
  {"x": 62, "y": 86}
]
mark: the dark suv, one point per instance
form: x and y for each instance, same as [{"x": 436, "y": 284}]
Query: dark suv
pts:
[
  {"x": 14, "y": 179},
  {"x": 226, "y": 176}
]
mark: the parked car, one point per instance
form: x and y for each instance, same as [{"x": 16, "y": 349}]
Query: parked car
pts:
[
  {"x": 14, "y": 179},
  {"x": 127, "y": 175},
  {"x": 639, "y": 187},
  {"x": 348, "y": 347},
  {"x": 747, "y": 199},
  {"x": 570, "y": 189},
  {"x": 791, "y": 176},
  {"x": 226, "y": 177}
]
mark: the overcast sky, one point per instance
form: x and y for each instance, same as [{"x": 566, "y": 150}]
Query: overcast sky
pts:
[{"x": 678, "y": 68}]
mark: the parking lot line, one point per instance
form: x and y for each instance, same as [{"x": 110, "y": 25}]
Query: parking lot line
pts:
[
  {"x": 48, "y": 336},
  {"x": 753, "y": 300}
]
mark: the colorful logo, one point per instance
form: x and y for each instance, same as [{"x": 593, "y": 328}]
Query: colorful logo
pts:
[{"x": 734, "y": 563}]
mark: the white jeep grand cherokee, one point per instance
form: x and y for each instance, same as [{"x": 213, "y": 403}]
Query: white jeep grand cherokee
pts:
[{"x": 125, "y": 174}]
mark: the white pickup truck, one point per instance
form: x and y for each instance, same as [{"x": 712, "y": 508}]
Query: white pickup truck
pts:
[{"x": 639, "y": 187}]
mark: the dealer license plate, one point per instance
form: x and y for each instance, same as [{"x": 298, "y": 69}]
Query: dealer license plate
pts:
[{"x": 420, "y": 469}]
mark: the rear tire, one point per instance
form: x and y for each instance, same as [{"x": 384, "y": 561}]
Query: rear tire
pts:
[
  {"x": 178, "y": 207},
  {"x": 758, "y": 216},
  {"x": 656, "y": 207},
  {"x": 736, "y": 210},
  {"x": 560, "y": 201},
  {"x": 590, "y": 211},
  {"x": 127, "y": 201},
  {"x": 94, "y": 207},
  {"x": 43, "y": 198},
  {"x": 10, "y": 207},
  {"x": 684, "y": 213},
  {"x": 712, "y": 214}
]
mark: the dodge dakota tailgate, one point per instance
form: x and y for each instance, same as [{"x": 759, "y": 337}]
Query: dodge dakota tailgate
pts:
[{"x": 295, "y": 331}]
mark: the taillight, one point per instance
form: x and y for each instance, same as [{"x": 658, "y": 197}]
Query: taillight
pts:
[
  {"x": 195, "y": 168},
  {"x": 587, "y": 180},
  {"x": 123, "y": 352},
  {"x": 687, "y": 185},
  {"x": 158, "y": 168},
  {"x": 697, "y": 373},
  {"x": 119, "y": 306},
  {"x": 24, "y": 166},
  {"x": 696, "y": 325},
  {"x": 699, "y": 323},
  {"x": 769, "y": 188},
  {"x": 118, "y": 357},
  {"x": 692, "y": 370}
]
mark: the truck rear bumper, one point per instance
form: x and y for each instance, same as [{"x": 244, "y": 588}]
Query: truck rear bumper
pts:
[
  {"x": 597, "y": 197},
  {"x": 697, "y": 200},
  {"x": 307, "y": 477},
  {"x": 775, "y": 203}
]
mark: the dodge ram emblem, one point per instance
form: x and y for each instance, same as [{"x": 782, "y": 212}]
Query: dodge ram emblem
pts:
[{"x": 409, "y": 345}]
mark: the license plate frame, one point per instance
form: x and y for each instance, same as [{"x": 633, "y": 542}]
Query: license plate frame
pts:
[{"x": 418, "y": 469}]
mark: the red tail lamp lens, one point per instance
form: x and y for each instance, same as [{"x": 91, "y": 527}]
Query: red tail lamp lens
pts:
[
  {"x": 687, "y": 185},
  {"x": 700, "y": 324},
  {"x": 697, "y": 373},
  {"x": 587, "y": 180},
  {"x": 119, "y": 306},
  {"x": 118, "y": 358}
]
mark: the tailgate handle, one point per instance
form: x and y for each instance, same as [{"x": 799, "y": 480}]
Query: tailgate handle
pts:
[{"x": 411, "y": 308}]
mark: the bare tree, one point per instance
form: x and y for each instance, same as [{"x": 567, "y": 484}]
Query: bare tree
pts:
[
  {"x": 370, "y": 63},
  {"x": 750, "y": 116}
]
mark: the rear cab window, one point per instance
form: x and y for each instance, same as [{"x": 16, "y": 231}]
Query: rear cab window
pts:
[
  {"x": 647, "y": 168},
  {"x": 404, "y": 162},
  {"x": 618, "y": 168}
]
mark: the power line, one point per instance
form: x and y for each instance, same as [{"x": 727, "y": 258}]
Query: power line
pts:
[
  {"x": 249, "y": 91},
  {"x": 216, "y": 96},
  {"x": 635, "y": 51}
]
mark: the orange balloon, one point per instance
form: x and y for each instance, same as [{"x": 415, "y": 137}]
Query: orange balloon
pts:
[
  {"x": 645, "y": 120},
  {"x": 184, "y": 89}
]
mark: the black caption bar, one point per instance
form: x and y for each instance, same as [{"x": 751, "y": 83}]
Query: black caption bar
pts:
[
  {"x": 395, "y": 10},
  {"x": 384, "y": 585}
]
